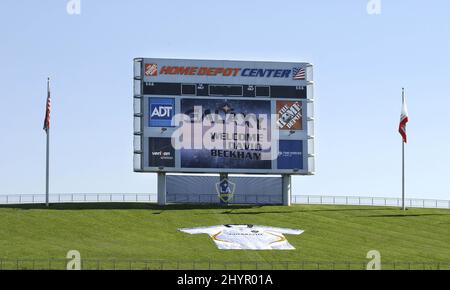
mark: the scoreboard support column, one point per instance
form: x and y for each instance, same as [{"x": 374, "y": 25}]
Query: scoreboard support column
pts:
[
  {"x": 162, "y": 188},
  {"x": 286, "y": 188}
]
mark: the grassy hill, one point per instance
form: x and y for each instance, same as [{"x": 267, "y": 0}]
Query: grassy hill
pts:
[{"x": 148, "y": 232}]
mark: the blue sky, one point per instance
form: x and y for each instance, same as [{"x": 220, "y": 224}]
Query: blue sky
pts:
[{"x": 361, "y": 63}]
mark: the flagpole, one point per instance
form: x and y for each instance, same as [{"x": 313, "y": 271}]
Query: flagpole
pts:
[
  {"x": 403, "y": 162},
  {"x": 403, "y": 175},
  {"x": 47, "y": 171}
]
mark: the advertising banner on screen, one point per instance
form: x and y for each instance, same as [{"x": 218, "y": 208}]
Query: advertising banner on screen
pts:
[
  {"x": 289, "y": 115},
  {"x": 162, "y": 154},
  {"x": 161, "y": 112},
  {"x": 290, "y": 154}
]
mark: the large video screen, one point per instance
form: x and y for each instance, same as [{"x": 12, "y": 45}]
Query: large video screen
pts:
[{"x": 239, "y": 145}]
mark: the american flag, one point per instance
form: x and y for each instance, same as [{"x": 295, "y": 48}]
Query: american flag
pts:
[
  {"x": 403, "y": 120},
  {"x": 48, "y": 108},
  {"x": 299, "y": 73}
]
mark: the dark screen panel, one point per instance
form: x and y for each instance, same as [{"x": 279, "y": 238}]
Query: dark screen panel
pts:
[
  {"x": 224, "y": 90},
  {"x": 249, "y": 91},
  {"x": 202, "y": 90},
  {"x": 188, "y": 89},
  {"x": 162, "y": 89},
  {"x": 262, "y": 91},
  {"x": 288, "y": 92},
  {"x": 176, "y": 89}
]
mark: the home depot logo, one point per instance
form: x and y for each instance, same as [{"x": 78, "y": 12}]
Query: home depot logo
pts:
[{"x": 151, "y": 69}]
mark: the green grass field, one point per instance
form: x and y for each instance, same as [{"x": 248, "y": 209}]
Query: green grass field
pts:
[{"x": 148, "y": 232}]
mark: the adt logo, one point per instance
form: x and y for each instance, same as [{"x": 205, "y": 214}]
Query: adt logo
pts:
[{"x": 161, "y": 112}]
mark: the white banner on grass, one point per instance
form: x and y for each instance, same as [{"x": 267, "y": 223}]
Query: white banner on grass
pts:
[{"x": 247, "y": 237}]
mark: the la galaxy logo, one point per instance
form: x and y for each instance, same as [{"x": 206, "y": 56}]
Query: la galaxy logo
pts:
[
  {"x": 151, "y": 69},
  {"x": 225, "y": 190}
]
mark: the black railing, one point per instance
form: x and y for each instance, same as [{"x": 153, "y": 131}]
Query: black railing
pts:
[{"x": 111, "y": 264}]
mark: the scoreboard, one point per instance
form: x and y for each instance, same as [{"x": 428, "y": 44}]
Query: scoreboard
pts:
[{"x": 220, "y": 116}]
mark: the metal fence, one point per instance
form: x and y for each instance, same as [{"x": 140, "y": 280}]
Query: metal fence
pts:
[
  {"x": 370, "y": 201},
  {"x": 212, "y": 198},
  {"x": 111, "y": 264},
  {"x": 78, "y": 198}
]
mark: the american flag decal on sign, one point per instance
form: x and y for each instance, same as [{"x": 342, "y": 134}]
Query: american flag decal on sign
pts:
[
  {"x": 151, "y": 69},
  {"x": 299, "y": 73}
]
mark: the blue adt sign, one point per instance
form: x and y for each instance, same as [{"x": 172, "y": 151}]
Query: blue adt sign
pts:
[
  {"x": 290, "y": 154},
  {"x": 161, "y": 111}
]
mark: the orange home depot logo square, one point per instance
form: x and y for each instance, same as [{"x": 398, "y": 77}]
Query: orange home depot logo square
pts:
[
  {"x": 289, "y": 115},
  {"x": 151, "y": 69}
]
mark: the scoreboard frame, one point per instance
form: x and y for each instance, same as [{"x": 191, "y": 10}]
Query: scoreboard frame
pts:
[{"x": 158, "y": 81}]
